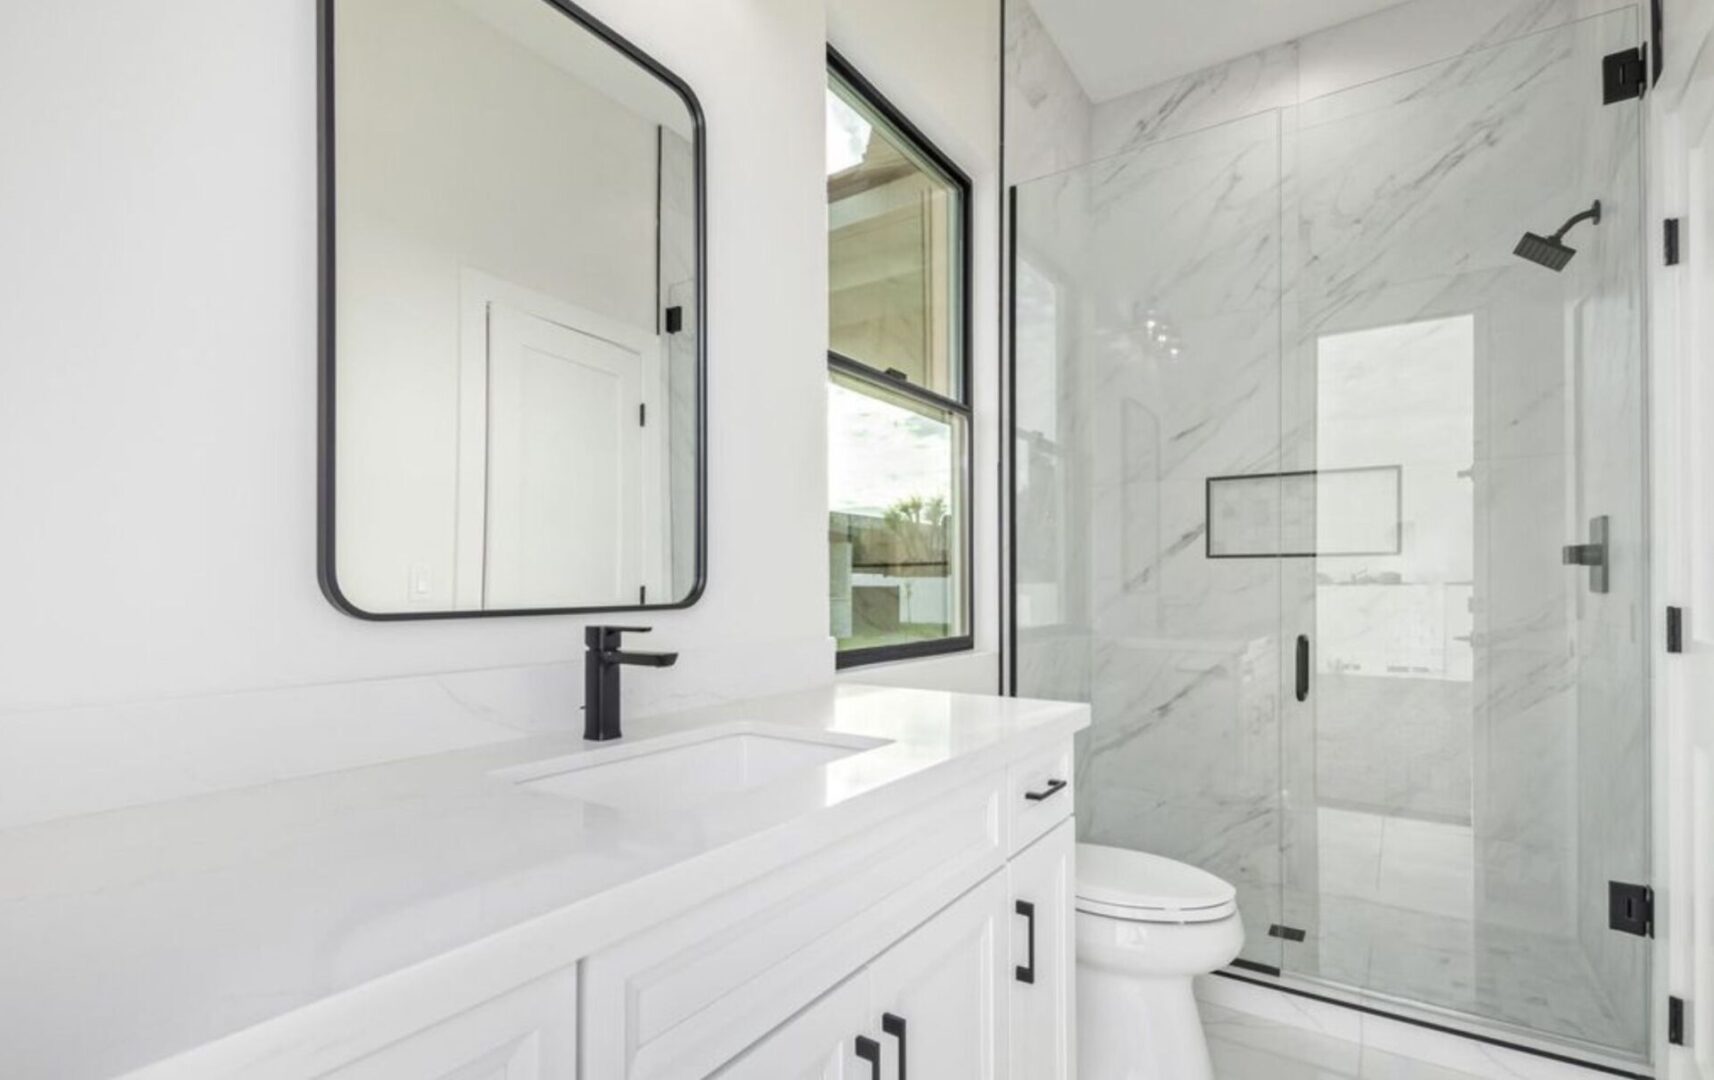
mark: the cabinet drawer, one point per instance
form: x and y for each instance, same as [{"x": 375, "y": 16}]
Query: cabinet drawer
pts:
[
  {"x": 528, "y": 1034},
  {"x": 1039, "y": 795},
  {"x": 683, "y": 998}
]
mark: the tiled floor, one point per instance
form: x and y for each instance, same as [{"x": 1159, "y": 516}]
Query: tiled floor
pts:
[
  {"x": 1397, "y": 897},
  {"x": 1248, "y": 1047}
]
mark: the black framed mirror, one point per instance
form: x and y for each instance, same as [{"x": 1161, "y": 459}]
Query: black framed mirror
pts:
[{"x": 513, "y": 314}]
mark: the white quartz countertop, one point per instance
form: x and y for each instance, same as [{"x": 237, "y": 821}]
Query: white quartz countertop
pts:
[{"x": 133, "y": 935}]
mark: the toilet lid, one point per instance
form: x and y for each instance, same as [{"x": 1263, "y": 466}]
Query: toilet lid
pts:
[{"x": 1135, "y": 884}]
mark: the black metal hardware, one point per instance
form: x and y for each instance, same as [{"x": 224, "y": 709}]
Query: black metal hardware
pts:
[
  {"x": 1656, "y": 30},
  {"x": 1675, "y": 1021},
  {"x": 674, "y": 319},
  {"x": 602, "y": 659},
  {"x": 1260, "y": 969},
  {"x": 869, "y": 1050},
  {"x": 1670, "y": 241},
  {"x": 1630, "y": 908},
  {"x": 1303, "y": 667},
  {"x": 1674, "y": 630},
  {"x": 1026, "y": 973},
  {"x": 642, "y": 414},
  {"x": 1593, "y": 554},
  {"x": 895, "y": 1026},
  {"x": 1054, "y": 787},
  {"x": 1286, "y": 933},
  {"x": 895, "y": 373},
  {"x": 1624, "y": 75}
]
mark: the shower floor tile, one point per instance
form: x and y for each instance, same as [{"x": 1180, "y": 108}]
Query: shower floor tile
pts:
[{"x": 1394, "y": 913}]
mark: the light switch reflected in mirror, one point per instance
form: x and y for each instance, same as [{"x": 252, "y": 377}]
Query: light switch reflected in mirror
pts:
[{"x": 513, "y": 360}]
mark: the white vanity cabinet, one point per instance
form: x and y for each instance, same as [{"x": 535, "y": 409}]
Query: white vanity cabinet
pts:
[
  {"x": 1042, "y": 977},
  {"x": 930, "y": 938},
  {"x": 984, "y": 988},
  {"x": 935, "y": 1001}
]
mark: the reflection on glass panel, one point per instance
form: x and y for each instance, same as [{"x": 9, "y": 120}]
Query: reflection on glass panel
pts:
[
  {"x": 1040, "y": 483},
  {"x": 893, "y": 242},
  {"x": 894, "y": 477}
]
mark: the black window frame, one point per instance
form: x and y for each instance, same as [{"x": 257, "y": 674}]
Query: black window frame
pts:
[{"x": 958, "y": 404}]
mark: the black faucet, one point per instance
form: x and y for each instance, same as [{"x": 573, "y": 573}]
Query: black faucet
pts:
[{"x": 601, "y": 661}]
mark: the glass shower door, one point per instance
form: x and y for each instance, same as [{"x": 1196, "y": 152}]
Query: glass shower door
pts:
[
  {"x": 1470, "y": 769},
  {"x": 1147, "y": 338}
]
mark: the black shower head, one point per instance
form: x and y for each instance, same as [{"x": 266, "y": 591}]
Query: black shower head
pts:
[{"x": 1552, "y": 251}]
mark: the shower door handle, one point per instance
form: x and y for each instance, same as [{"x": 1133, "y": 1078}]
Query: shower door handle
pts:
[
  {"x": 1303, "y": 667},
  {"x": 1592, "y": 554}
]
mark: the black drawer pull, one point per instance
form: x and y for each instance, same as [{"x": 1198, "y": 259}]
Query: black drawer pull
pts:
[
  {"x": 1303, "y": 667},
  {"x": 869, "y": 1050},
  {"x": 1026, "y": 973},
  {"x": 895, "y": 1026},
  {"x": 1054, "y": 787}
]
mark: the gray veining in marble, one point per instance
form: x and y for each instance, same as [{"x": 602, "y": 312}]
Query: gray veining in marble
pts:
[{"x": 1230, "y": 233}]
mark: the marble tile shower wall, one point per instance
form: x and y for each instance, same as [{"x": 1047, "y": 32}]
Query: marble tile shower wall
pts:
[{"x": 1386, "y": 203}]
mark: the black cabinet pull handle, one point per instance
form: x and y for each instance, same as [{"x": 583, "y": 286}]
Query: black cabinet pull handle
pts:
[
  {"x": 1303, "y": 667},
  {"x": 1054, "y": 787},
  {"x": 895, "y": 1026},
  {"x": 869, "y": 1050},
  {"x": 1026, "y": 973}
]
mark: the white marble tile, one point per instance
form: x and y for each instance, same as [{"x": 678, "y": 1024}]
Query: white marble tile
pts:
[
  {"x": 1047, "y": 112},
  {"x": 1332, "y": 204}
]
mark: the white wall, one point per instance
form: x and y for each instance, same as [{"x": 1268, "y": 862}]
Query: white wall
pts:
[
  {"x": 940, "y": 64},
  {"x": 157, "y": 410}
]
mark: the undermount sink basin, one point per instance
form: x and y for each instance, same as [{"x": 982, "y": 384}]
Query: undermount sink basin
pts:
[{"x": 679, "y": 773}]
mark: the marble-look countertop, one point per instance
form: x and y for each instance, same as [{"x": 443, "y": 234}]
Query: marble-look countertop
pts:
[{"x": 132, "y": 935}]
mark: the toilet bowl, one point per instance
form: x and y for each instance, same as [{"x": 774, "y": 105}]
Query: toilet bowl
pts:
[{"x": 1146, "y": 926}]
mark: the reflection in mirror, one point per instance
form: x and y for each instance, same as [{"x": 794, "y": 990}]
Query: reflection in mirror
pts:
[{"x": 515, "y": 358}]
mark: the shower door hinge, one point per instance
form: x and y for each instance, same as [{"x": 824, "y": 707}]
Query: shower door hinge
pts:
[
  {"x": 674, "y": 319},
  {"x": 1675, "y": 1021},
  {"x": 1674, "y": 629},
  {"x": 1670, "y": 241},
  {"x": 1630, "y": 908},
  {"x": 1624, "y": 75},
  {"x": 1286, "y": 933}
]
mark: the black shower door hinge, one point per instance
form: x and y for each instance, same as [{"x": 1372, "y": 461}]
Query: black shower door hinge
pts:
[
  {"x": 1630, "y": 908},
  {"x": 1675, "y": 1021},
  {"x": 1674, "y": 629},
  {"x": 1624, "y": 75},
  {"x": 1670, "y": 241},
  {"x": 1286, "y": 933}
]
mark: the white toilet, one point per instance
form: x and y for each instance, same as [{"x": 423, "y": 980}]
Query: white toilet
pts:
[{"x": 1146, "y": 926}]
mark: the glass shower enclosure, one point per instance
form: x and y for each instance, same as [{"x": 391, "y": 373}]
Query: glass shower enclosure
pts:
[{"x": 1333, "y": 507}]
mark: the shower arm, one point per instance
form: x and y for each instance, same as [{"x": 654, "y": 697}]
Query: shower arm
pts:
[{"x": 1591, "y": 214}]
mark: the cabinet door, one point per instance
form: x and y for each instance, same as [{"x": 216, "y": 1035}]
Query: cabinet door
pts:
[
  {"x": 818, "y": 1043},
  {"x": 527, "y": 1034},
  {"x": 936, "y": 997},
  {"x": 1042, "y": 972}
]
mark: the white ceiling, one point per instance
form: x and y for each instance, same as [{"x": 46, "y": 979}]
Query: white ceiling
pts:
[{"x": 1117, "y": 46}]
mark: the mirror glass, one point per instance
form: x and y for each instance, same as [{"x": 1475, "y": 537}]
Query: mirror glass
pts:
[{"x": 512, "y": 357}]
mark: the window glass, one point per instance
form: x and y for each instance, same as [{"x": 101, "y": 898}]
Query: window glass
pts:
[
  {"x": 895, "y": 245},
  {"x": 896, "y": 476}
]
